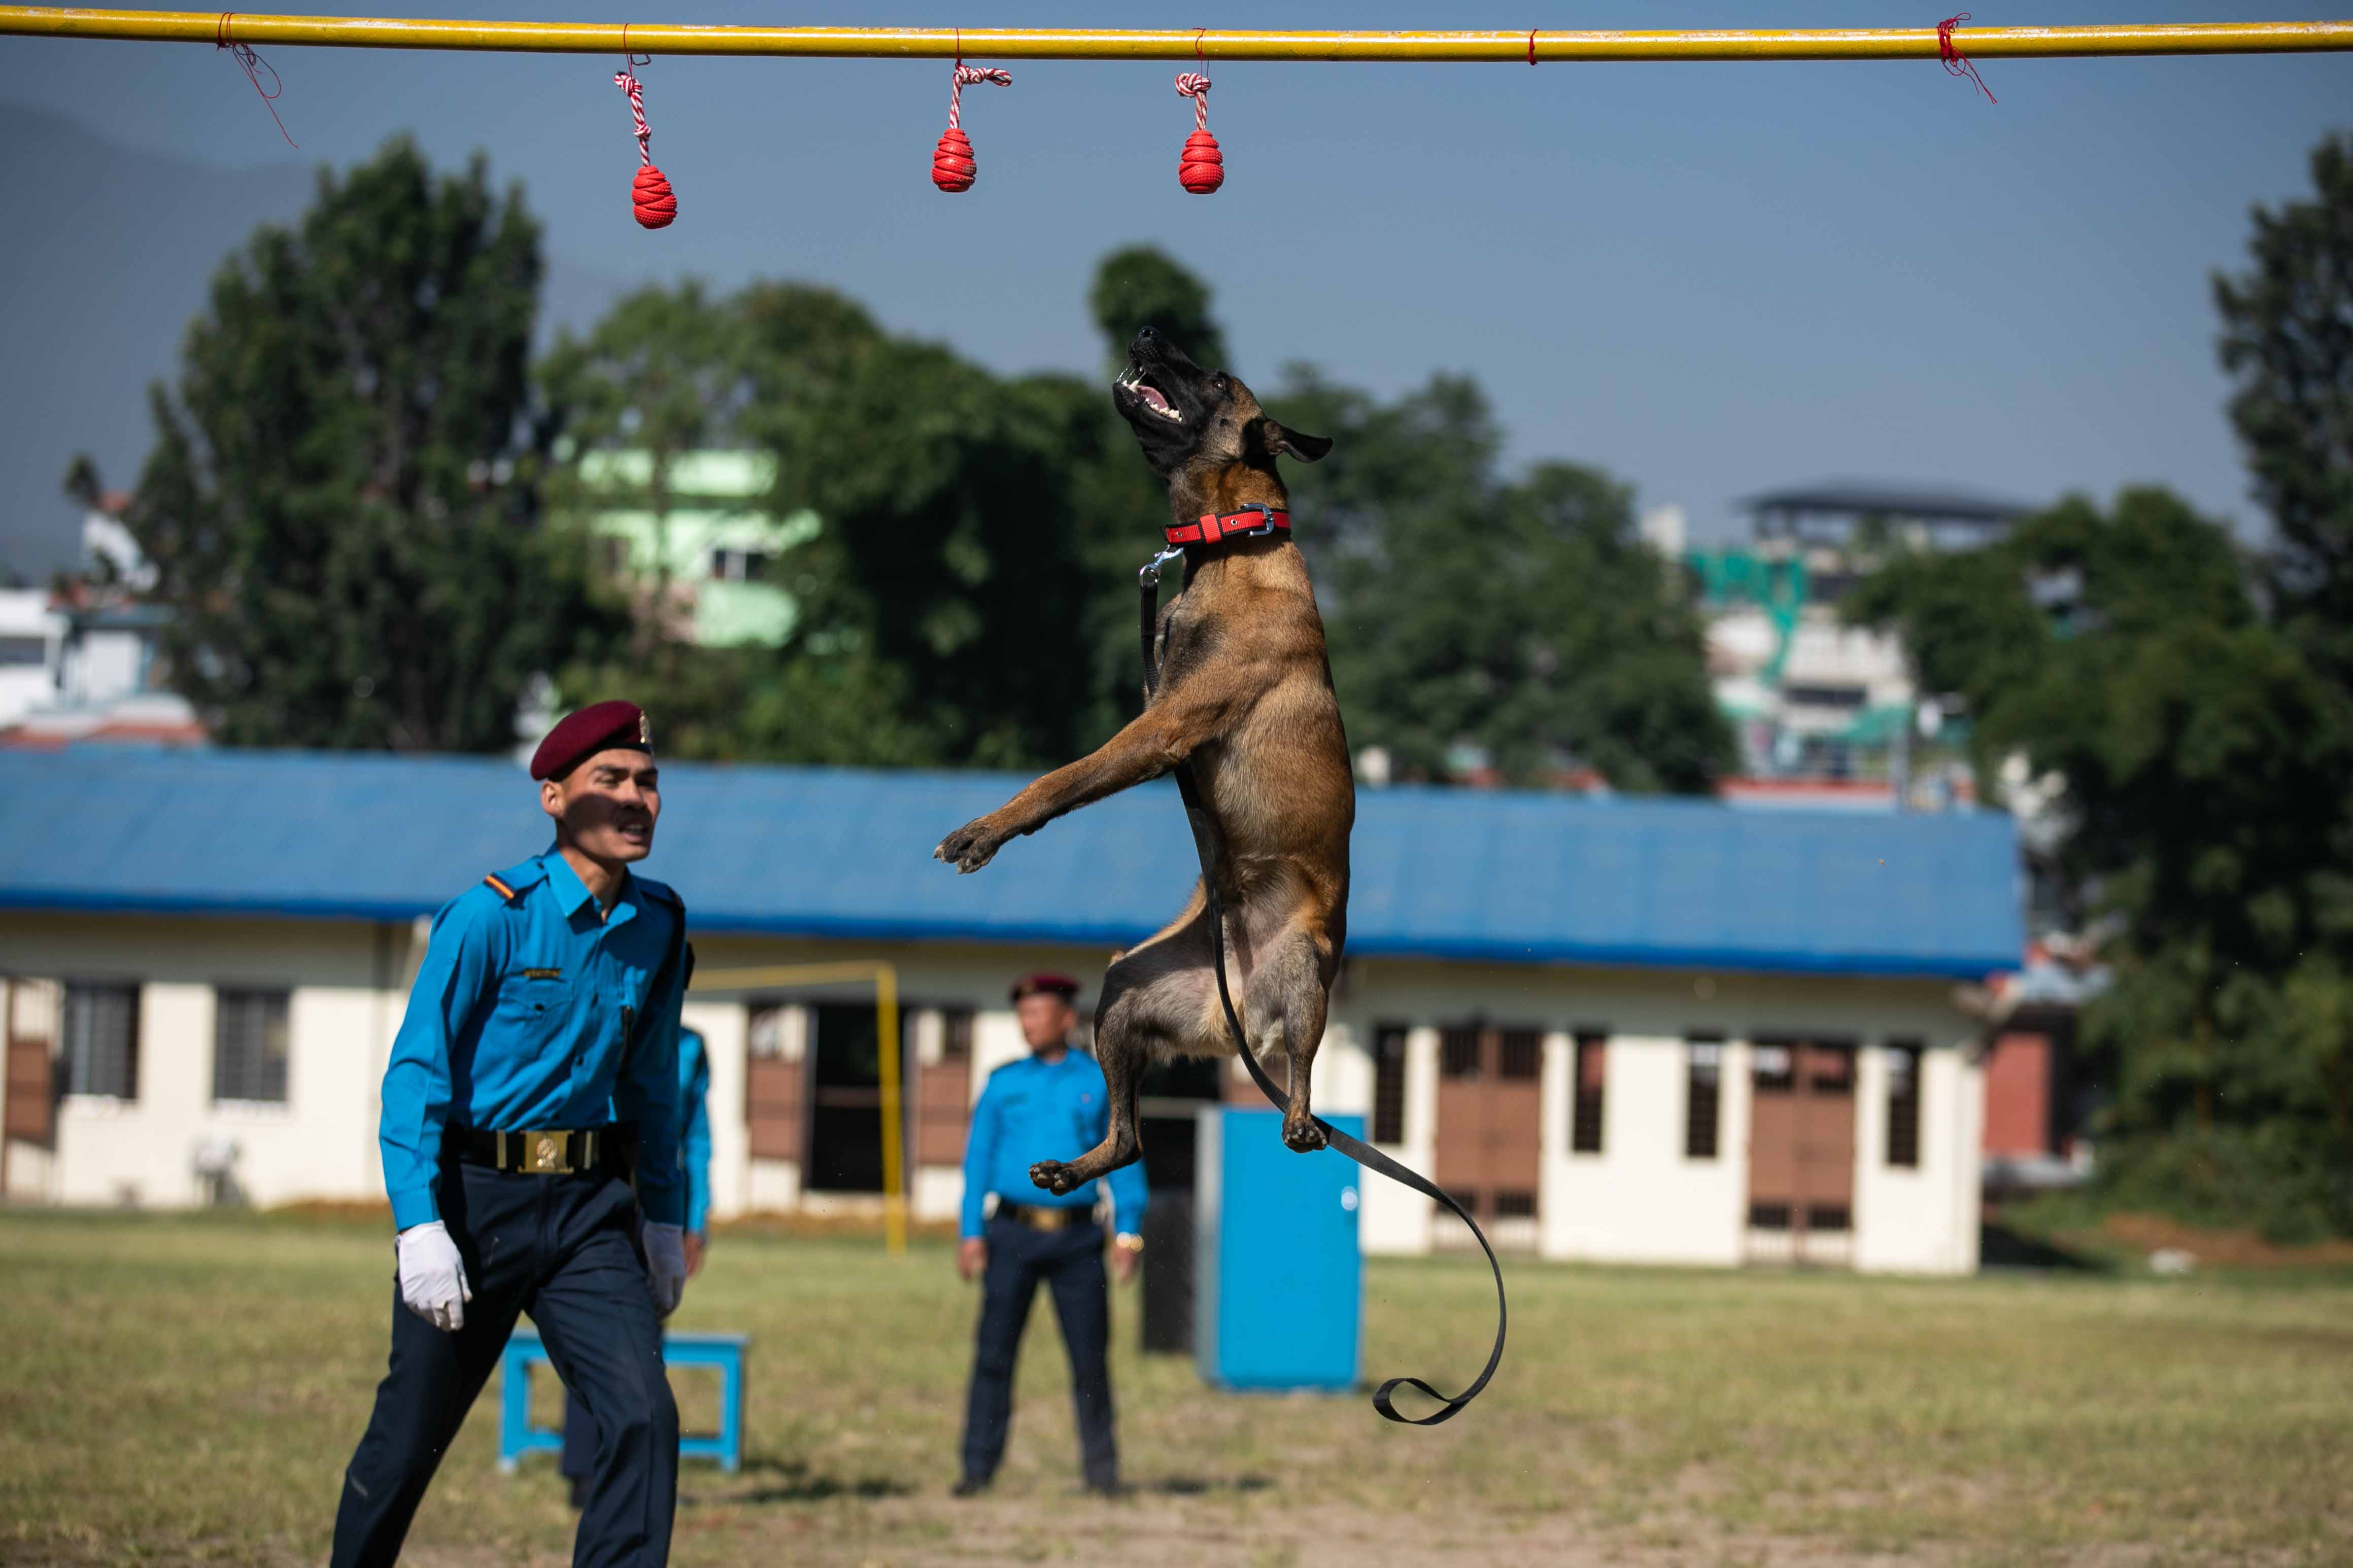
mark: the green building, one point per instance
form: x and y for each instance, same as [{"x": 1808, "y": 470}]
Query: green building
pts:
[{"x": 711, "y": 561}]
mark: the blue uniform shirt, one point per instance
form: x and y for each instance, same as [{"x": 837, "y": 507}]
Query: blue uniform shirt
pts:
[
  {"x": 516, "y": 1021},
  {"x": 694, "y": 1142},
  {"x": 1030, "y": 1111}
]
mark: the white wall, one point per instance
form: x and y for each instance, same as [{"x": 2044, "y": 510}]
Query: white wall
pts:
[
  {"x": 1642, "y": 1199},
  {"x": 1638, "y": 1200},
  {"x": 1923, "y": 1220},
  {"x": 725, "y": 1028}
]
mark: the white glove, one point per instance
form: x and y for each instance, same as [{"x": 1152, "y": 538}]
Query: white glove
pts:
[
  {"x": 665, "y": 1247},
  {"x": 432, "y": 1278}
]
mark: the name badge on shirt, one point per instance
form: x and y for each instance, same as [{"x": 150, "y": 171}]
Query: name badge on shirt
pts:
[{"x": 542, "y": 974}]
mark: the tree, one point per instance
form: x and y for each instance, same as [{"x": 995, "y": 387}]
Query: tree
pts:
[
  {"x": 341, "y": 504},
  {"x": 1141, "y": 287},
  {"x": 2202, "y": 757},
  {"x": 1522, "y": 620},
  {"x": 663, "y": 374},
  {"x": 2287, "y": 337}
]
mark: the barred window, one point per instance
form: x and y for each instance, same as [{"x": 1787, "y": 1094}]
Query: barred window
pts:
[
  {"x": 956, "y": 1032},
  {"x": 1458, "y": 1051},
  {"x": 1522, "y": 1055},
  {"x": 1516, "y": 1205},
  {"x": 101, "y": 1039},
  {"x": 1585, "y": 1104},
  {"x": 1388, "y": 1083},
  {"x": 1704, "y": 1091},
  {"x": 1903, "y": 1104},
  {"x": 250, "y": 1040}
]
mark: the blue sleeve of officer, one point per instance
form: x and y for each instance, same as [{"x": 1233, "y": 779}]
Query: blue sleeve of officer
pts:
[
  {"x": 979, "y": 1160},
  {"x": 647, "y": 1094},
  {"x": 694, "y": 1157},
  {"x": 459, "y": 961}
]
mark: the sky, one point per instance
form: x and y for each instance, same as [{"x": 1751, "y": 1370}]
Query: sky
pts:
[{"x": 1708, "y": 280}]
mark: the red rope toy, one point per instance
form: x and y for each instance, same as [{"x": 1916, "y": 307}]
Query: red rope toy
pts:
[
  {"x": 1955, "y": 62},
  {"x": 953, "y": 168},
  {"x": 651, "y": 200},
  {"x": 1201, "y": 168}
]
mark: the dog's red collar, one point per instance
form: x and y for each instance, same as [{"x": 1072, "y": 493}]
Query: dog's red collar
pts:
[{"x": 1253, "y": 521}]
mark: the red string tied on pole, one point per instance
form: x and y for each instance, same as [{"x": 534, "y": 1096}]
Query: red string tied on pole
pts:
[
  {"x": 1957, "y": 63},
  {"x": 1201, "y": 168},
  {"x": 253, "y": 65},
  {"x": 953, "y": 168},
  {"x": 651, "y": 201}
]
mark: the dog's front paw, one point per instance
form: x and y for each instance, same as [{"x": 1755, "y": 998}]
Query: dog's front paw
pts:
[
  {"x": 1303, "y": 1136},
  {"x": 1054, "y": 1176},
  {"x": 971, "y": 846}
]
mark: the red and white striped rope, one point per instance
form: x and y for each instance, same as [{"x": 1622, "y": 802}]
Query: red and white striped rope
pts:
[
  {"x": 628, "y": 82},
  {"x": 1194, "y": 86},
  {"x": 971, "y": 76}
]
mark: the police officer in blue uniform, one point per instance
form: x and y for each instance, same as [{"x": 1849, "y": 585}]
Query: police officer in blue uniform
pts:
[
  {"x": 537, "y": 1069},
  {"x": 579, "y": 1461},
  {"x": 1049, "y": 1106}
]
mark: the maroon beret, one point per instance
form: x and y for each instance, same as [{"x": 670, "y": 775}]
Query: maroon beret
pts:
[
  {"x": 1061, "y": 985},
  {"x": 599, "y": 727}
]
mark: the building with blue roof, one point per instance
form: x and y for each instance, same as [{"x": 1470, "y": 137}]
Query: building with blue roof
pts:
[{"x": 1661, "y": 1030}]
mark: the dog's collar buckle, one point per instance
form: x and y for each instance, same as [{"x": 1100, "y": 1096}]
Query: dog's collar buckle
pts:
[{"x": 1214, "y": 527}]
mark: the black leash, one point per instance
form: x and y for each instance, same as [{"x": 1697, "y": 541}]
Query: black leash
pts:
[{"x": 1197, "y": 816}]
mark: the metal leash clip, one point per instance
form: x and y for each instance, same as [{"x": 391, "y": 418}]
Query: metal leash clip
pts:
[{"x": 1149, "y": 577}]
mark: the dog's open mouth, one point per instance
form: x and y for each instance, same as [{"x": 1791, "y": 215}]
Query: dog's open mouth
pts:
[{"x": 1151, "y": 397}]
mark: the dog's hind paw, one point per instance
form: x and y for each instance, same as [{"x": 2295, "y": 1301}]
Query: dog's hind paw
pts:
[
  {"x": 1054, "y": 1176},
  {"x": 1304, "y": 1138}
]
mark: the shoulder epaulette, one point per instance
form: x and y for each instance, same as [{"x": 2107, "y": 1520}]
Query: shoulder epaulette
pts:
[{"x": 515, "y": 881}]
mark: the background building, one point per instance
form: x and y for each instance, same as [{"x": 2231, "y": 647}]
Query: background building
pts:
[
  {"x": 84, "y": 660},
  {"x": 1827, "y": 713},
  {"x": 1653, "y": 1030},
  {"x": 709, "y": 558}
]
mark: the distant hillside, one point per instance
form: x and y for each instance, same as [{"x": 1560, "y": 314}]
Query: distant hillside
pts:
[{"x": 107, "y": 258}]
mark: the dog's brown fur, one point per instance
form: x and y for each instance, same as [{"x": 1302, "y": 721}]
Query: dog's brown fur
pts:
[{"x": 1245, "y": 696}]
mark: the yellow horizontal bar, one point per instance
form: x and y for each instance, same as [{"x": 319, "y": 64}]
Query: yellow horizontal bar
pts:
[{"x": 1183, "y": 43}]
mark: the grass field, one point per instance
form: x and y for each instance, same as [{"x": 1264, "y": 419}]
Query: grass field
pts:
[{"x": 188, "y": 1390}]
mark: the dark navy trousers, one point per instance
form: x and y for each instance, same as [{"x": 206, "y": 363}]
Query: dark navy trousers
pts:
[
  {"x": 1071, "y": 1263},
  {"x": 563, "y": 1248}
]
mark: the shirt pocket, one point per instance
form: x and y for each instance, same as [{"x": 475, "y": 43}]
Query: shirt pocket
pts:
[{"x": 534, "y": 1011}]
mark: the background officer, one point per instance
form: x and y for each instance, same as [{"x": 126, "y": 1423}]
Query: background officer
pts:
[
  {"x": 548, "y": 1000},
  {"x": 579, "y": 1461},
  {"x": 1049, "y": 1106}
]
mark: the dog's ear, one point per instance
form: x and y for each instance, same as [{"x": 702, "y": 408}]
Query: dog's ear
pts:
[{"x": 1284, "y": 442}]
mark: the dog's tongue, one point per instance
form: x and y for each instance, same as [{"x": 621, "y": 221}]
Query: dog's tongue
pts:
[{"x": 1152, "y": 396}]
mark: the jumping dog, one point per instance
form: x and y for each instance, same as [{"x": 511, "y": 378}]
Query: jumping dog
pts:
[{"x": 1245, "y": 696}]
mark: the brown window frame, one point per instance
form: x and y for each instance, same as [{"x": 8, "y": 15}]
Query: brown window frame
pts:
[
  {"x": 1389, "y": 1051},
  {"x": 1704, "y": 1088},
  {"x": 1461, "y": 1052},
  {"x": 1519, "y": 1055},
  {"x": 955, "y": 1033},
  {"x": 1906, "y": 1060},
  {"x": 1589, "y": 1085}
]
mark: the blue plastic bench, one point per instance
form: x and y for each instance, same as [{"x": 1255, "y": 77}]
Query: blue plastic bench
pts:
[{"x": 518, "y": 1436}]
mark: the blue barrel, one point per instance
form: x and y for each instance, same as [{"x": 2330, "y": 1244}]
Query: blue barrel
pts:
[{"x": 1279, "y": 1274}]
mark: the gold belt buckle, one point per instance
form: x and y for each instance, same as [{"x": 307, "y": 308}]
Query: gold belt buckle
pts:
[{"x": 547, "y": 1153}]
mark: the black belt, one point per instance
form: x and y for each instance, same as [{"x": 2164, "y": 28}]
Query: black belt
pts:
[
  {"x": 1045, "y": 1217},
  {"x": 538, "y": 1151}
]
